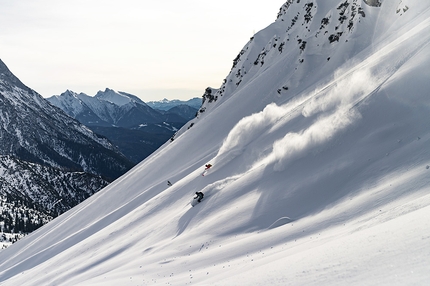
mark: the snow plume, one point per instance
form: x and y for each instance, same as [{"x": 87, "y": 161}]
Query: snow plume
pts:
[
  {"x": 344, "y": 92},
  {"x": 331, "y": 104},
  {"x": 335, "y": 103},
  {"x": 251, "y": 127},
  {"x": 295, "y": 144},
  {"x": 217, "y": 186}
]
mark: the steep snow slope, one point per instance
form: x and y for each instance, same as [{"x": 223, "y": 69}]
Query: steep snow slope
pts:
[{"x": 320, "y": 169}]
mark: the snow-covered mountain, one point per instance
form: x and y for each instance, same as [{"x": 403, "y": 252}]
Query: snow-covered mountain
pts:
[
  {"x": 128, "y": 122},
  {"x": 49, "y": 162},
  {"x": 319, "y": 141},
  {"x": 110, "y": 108},
  {"x": 33, "y": 130}
]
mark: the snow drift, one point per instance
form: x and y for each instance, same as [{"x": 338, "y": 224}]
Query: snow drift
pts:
[{"x": 320, "y": 169}]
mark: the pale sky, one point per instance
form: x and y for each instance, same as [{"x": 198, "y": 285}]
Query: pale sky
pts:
[{"x": 152, "y": 49}]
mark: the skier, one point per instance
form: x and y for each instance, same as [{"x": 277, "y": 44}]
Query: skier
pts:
[
  {"x": 168, "y": 183},
  {"x": 207, "y": 166},
  {"x": 200, "y": 196}
]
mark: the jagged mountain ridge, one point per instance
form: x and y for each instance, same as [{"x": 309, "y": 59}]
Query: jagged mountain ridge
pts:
[
  {"x": 303, "y": 37},
  {"x": 33, "y": 130},
  {"x": 111, "y": 108},
  {"x": 320, "y": 169},
  {"x": 307, "y": 42}
]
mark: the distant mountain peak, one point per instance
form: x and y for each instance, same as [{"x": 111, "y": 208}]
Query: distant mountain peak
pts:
[
  {"x": 114, "y": 97},
  {"x": 71, "y": 93}
]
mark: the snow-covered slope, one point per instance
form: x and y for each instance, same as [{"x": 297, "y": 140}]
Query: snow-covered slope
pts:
[{"x": 320, "y": 169}]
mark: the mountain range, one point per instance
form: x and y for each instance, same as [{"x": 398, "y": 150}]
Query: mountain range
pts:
[
  {"x": 319, "y": 144},
  {"x": 113, "y": 108},
  {"x": 136, "y": 128}
]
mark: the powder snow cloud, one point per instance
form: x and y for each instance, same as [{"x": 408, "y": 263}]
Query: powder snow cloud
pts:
[{"x": 332, "y": 106}]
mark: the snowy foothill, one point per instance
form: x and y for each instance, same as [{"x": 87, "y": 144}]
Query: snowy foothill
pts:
[{"x": 320, "y": 170}]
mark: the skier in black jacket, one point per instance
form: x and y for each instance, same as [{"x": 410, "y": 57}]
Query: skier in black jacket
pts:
[{"x": 200, "y": 196}]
